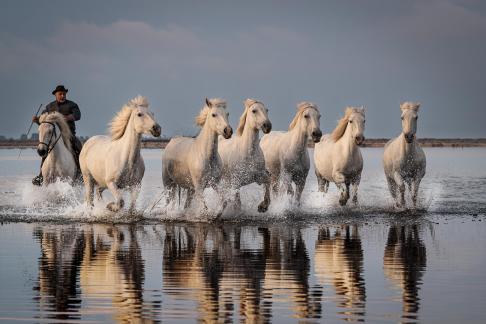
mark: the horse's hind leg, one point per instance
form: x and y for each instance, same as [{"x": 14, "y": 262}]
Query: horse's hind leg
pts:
[
  {"x": 88, "y": 188},
  {"x": 99, "y": 192},
  {"x": 263, "y": 206},
  {"x": 119, "y": 202}
]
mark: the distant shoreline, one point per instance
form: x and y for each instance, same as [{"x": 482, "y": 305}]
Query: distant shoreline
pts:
[{"x": 372, "y": 142}]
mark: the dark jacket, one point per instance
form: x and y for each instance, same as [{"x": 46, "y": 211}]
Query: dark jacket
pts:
[{"x": 68, "y": 107}]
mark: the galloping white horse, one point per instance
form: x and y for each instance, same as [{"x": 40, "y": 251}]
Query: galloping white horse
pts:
[
  {"x": 115, "y": 163},
  {"x": 286, "y": 155},
  {"x": 194, "y": 163},
  {"x": 404, "y": 160},
  {"x": 337, "y": 157},
  {"x": 242, "y": 157},
  {"x": 55, "y": 146}
]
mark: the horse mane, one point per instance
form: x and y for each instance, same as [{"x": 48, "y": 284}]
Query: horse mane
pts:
[
  {"x": 215, "y": 102},
  {"x": 410, "y": 105},
  {"x": 119, "y": 123},
  {"x": 301, "y": 107},
  {"x": 58, "y": 119},
  {"x": 340, "y": 129},
  {"x": 247, "y": 103}
]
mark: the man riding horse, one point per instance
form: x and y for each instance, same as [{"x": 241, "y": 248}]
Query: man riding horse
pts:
[{"x": 71, "y": 113}]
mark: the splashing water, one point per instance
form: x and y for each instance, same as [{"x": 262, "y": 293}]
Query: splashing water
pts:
[{"x": 452, "y": 185}]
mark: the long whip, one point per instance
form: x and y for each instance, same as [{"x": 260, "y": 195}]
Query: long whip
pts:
[{"x": 30, "y": 127}]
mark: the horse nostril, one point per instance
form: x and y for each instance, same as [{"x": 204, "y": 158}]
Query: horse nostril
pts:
[
  {"x": 228, "y": 131},
  {"x": 317, "y": 133},
  {"x": 267, "y": 127}
]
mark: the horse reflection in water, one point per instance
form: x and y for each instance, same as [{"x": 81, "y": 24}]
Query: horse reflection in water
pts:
[
  {"x": 209, "y": 265},
  {"x": 106, "y": 264},
  {"x": 404, "y": 264},
  {"x": 339, "y": 263}
]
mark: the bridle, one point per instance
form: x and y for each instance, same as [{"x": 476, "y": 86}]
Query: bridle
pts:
[{"x": 53, "y": 135}]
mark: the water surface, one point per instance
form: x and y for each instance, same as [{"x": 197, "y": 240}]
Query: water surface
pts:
[{"x": 60, "y": 261}]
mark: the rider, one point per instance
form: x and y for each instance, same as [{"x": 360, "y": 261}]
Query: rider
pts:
[{"x": 71, "y": 113}]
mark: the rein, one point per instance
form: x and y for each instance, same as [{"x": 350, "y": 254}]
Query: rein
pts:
[{"x": 53, "y": 135}]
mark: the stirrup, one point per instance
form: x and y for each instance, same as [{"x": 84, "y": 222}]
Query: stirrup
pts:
[{"x": 37, "y": 181}]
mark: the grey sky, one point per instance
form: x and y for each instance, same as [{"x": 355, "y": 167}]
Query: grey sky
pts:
[{"x": 334, "y": 53}]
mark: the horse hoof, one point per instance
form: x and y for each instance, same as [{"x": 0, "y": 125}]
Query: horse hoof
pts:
[
  {"x": 343, "y": 202},
  {"x": 262, "y": 208},
  {"x": 113, "y": 207}
]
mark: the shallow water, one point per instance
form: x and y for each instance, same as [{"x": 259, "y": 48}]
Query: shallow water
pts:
[{"x": 317, "y": 263}]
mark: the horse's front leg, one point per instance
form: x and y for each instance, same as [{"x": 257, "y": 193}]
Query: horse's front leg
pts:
[
  {"x": 343, "y": 186},
  {"x": 119, "y": 202},
  {"x": 414, "y": 187},
  {"x": 354, "y": 189},
  {"x": 299, "y": 188},
  {"x": 401, "y": 188}
]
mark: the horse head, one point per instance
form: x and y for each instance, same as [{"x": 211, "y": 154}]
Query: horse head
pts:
[{"x": 409, "y": 120}]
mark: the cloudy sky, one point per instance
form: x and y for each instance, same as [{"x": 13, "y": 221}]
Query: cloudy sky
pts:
[{"x": 334, "y": 53}]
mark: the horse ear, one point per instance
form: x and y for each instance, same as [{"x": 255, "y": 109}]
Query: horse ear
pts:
[
  {"x": 417, "y": 106},
  {"x": 208, "y": 103}
]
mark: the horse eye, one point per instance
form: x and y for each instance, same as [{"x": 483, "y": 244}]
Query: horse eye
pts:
[
  {"x": 350, "y": 121},
  {"x": 253, "y": 111},
  {"x": 139, "y": 114},
  {"x": 214, "y": 115},
  {"x": 306, "y": 116}
]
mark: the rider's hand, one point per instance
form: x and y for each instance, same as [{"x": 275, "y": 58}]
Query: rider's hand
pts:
[{"x": 35, "y": 119}]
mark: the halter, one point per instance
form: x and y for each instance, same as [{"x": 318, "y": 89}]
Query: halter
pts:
[{"x": 53, "y": 135}]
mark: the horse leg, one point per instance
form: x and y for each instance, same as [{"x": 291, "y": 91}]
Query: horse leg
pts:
[
  {"x": 343, "y": 187},
  {"x": 401, "y": 188},
  {"x": 263, "y": 206},
  {"x": 88, "y": 189},
  {"x": 237, "y": 200},
  {"x": 119, "y": 202},
  {"x": 99, "y": 193},
  {"x": 190, "y": 195},
  {"x": 133, "y": 196},
  {"x": 354, "y": 189},
  {"x": 414, "y": 187},
  {"x": 299, "y": 187},
  {"x": 322, "y": 184}
]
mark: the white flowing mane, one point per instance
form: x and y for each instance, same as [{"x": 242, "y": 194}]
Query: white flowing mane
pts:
[
  {"x": 301, "y": 107},
  {"x": 340, "y": 129},
  {"x": 248, "y": 103},
  {"x": 58, "y": 119},
  {"x": 410, "y": 105},
  {"x": 119, "y": 123},
  {"x": 215, "y": 102}
]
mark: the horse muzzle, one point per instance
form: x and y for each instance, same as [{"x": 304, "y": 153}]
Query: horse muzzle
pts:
[
  {"x": 316, "y": 135},
  {"x": 156, "y": 130},
  {"x": 267, "y": 127},
  {"x": 227, "y": 132},
  {"x": 41, "y": 151},
  {"x": 409, "y": 138},
  {"x": 359, "y": 140}
]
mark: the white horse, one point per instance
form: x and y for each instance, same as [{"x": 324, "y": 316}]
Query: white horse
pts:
[
  {"x": 115, "y": 163},
  {"x": 404, "y": 160},
  {"x": 242, "y": 157},
  {"x": 337, "y": 157},
  {"x": 286, "y": 155},
  {"x": 55, "y": 146},
  {"x": 194, "y": 163}
]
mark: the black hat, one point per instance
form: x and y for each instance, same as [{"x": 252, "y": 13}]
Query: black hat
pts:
[{"x": 59, "y": 88}]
